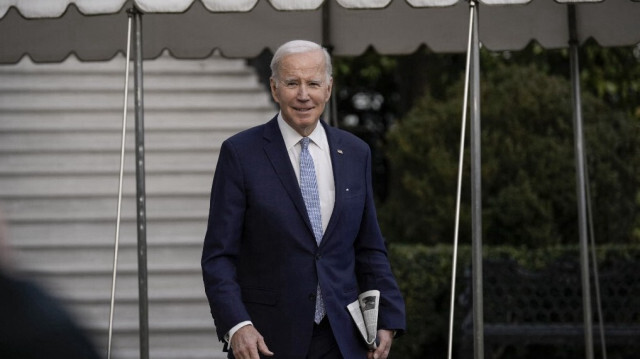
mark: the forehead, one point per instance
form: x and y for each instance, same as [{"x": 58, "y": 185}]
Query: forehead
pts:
[{"x": 306, "y": 64}]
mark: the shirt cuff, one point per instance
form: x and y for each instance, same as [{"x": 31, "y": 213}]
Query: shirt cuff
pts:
[{"x": 233, "y": 330}]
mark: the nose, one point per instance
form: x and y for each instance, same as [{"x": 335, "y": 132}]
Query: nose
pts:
[{"x": 303, "y": 92}]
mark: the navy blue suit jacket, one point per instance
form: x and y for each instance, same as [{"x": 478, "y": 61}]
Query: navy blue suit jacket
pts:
[{"x": 260, "y": 259}]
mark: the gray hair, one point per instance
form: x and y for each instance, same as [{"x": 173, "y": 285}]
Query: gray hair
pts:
[{"x": 299, "y": 47}]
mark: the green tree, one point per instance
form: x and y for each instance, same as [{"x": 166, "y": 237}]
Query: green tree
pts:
[
  {"x": 528, "y": 171},
  {"x": 610, "y": 74},
  {"x": 372, "y": 91}
]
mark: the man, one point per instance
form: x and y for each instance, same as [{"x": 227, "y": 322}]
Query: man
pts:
[{"x": 292, "y": 237}]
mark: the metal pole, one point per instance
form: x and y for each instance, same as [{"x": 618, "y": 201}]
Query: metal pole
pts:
[
  {"x": 143, "y": 301},
  {"x": 463, "y": 127},
  {"x": 596, "y": 276},
  {"x": 580, "y": 182},
  {"x": 332, "y": 109},
  {"x": 120, "y": 181},
  {"x": 476, "y": 195}
]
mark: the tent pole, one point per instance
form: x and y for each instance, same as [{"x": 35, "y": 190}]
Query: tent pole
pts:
[
  {"x": 580, "y": 181},
  {"x": 143, "y": 302},
  {"x": 332, "y": 111},
  {"x": 114, "y": 277},
  {"x": 596, "y": 276},
  {"x": 476, "y": 193},
  {"x": 463, "y": 127}
]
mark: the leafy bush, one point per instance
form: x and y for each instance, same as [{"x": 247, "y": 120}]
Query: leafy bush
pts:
[
  {"x": 424, "y": 277},
  {"x": 528, "y": 171}
]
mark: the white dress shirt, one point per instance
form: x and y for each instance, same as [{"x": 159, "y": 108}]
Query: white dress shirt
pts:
[{"x": 319, "y": 150}]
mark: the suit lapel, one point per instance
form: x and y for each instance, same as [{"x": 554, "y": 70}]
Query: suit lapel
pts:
[{"x": 277, "y": 153}]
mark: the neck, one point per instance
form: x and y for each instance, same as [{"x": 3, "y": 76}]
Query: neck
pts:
[{"x": 305, "y": 132}]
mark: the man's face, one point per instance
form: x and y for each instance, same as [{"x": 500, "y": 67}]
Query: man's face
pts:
[{"x": 302, "y": 89}]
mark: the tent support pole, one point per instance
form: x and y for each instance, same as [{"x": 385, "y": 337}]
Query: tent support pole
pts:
[
  {"x": 476, "y": 192},
  {"x": 463, "y": 128},
  {"x": 143, "y": 302},
  {"x": 580, "y": 182},
  {"x": 114, "y": 277},
  {"x": 331, "y": 111}
]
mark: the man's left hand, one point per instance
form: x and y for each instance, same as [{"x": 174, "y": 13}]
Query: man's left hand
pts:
[{"x": 386, "y": 338}]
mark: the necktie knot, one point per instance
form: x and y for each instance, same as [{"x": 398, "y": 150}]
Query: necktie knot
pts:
[{"x": 304, "y": 142}]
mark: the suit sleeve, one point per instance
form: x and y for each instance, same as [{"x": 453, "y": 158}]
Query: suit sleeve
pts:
[
  {"x": 222, "y": 242},
  {"x": 372, "y": 264}
]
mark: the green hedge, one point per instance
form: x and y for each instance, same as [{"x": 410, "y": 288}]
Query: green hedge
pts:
[{"x": 424, "y": 275}]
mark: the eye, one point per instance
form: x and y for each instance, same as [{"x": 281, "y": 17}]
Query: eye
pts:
[
  {"x": 291, "y": 84},
  {"x": 315, "y": 85}
]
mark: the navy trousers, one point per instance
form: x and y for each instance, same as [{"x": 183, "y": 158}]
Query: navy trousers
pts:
[{"x": 323, "y": 343}]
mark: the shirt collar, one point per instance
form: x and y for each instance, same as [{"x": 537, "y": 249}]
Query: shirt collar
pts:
[{"x": 291, "y": 137}]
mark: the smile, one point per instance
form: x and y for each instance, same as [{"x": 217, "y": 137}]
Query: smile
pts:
[{"x": 303, "y": 109}]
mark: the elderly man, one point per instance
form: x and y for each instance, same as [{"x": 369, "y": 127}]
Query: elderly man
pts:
[{"x": 292, "y": 236}]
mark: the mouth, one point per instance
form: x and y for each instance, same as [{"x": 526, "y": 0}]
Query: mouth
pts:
[{"x": 302, "y": 109}]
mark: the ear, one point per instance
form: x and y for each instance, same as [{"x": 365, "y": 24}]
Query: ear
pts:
[
  {"x": 274, "y": 89},
  {"x": 329, "y": 89}
]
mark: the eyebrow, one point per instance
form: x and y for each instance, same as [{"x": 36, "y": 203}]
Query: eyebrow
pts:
[{"x": 297, "y": 79}]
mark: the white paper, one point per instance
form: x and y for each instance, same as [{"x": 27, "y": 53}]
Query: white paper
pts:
[{"x": 364, "y": 312}]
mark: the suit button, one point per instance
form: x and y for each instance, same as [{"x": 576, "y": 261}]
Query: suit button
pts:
[
  {"x": 312, "y": 297},
  {"x": 318, "y": 256}
]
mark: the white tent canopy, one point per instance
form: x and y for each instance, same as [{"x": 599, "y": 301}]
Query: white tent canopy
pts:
[{"x": 96, "y": 30}]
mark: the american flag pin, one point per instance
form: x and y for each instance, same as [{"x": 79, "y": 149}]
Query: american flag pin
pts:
[{"x": 340, "y": 151}]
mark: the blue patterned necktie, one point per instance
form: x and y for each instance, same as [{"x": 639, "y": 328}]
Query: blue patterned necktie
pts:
[{"x": 309, "y": 188}]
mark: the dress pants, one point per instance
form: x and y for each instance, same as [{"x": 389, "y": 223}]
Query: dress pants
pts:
[{"x": 323, "y": 343}]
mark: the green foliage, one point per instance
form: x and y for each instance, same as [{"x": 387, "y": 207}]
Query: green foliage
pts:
[
  {"x": 636, "y": 231},
  {"x": 610, "y": 74},
  {"x": 372, "y": 91},
  {"x": 424, "y": 276},
  {"x": 528, "y": 172},
  {"x": 401, "y": 79},
  {"x": 527, "y": 148},
  {"x": 613, "y": 74},
  {"x": 422, "y": 197},
  {"x": 368, "y": 70}
]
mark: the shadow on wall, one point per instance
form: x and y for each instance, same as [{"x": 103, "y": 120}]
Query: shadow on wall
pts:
[{"x": 33, "y": 323}]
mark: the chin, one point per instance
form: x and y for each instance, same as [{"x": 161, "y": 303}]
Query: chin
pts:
[{"x": 305, "y": 118}]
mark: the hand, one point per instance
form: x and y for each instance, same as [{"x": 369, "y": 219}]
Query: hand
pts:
[
  {"x": 386, "y": 338},
  {"x": 247, "y": 342}
]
